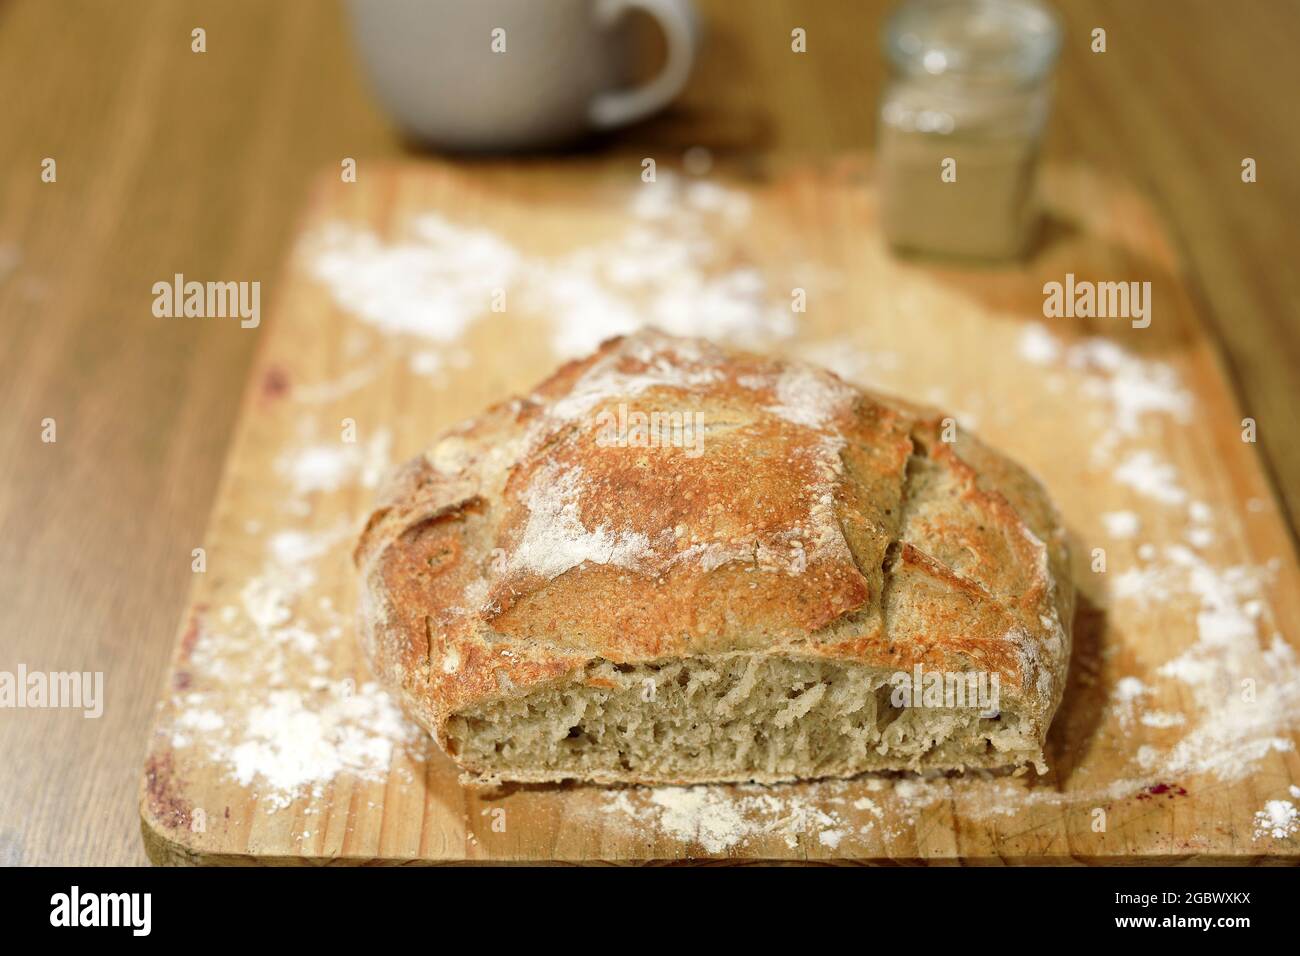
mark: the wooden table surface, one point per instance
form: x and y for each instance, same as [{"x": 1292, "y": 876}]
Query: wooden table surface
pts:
[{"x": 171, "y": 161}]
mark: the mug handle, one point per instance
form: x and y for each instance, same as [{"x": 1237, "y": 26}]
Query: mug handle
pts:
[{"x": 677, "y": 19}]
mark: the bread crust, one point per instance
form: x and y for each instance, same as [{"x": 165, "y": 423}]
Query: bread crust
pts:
[{"x": 817, "y": 521}]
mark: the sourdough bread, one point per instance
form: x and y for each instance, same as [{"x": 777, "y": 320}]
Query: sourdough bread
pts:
[{"x": 675, "y": 563}]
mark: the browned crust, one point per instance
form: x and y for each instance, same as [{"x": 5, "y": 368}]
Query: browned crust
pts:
[{"x": 820, "y": 521}]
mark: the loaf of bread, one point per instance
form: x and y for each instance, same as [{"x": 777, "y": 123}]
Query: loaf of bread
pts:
[{"x": 675, "y": 563}]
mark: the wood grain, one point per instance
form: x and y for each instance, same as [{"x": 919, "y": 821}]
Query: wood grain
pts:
[
  {"x": 953, "y": 335},
  {"x": 169, "y": 161}
]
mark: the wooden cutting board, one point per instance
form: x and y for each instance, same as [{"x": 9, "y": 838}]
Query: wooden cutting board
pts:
[{"x": 420, "y": 293}]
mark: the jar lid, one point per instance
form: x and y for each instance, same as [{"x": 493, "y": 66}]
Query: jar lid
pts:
[{"x": 1004, "y": 41}]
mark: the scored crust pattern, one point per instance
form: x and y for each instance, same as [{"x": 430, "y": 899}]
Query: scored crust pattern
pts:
[{"x": 813, "y": 518}]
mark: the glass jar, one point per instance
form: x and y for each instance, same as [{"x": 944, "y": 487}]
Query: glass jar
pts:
[{"x": 961, "y": 121}]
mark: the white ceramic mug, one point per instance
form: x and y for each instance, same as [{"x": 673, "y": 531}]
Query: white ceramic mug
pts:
[{"x": 513, "y": 74}]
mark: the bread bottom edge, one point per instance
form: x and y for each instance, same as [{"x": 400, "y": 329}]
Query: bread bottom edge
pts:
[{"x": 489, "y": 779}]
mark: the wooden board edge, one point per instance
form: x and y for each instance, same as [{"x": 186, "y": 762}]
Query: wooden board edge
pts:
[{"x": 162, "y": 850}]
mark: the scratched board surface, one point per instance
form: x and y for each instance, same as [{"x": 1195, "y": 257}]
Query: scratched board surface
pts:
[{"x": 421, "y": 293}]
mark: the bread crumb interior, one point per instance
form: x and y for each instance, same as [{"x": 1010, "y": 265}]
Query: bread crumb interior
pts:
[{"x": 735, "y": 716}]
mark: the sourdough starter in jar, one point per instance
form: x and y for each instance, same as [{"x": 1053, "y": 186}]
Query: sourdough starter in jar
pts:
[{"x": 970, "y": 83}]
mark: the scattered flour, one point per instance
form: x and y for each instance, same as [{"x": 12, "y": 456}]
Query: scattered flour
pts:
[
  {"x": 1200, "y": 533},
  {"x": 258, "y": 700},
  {"x": 1127, "y": 694},
  {"x": 1039, "y": 346},
  {"x": 320, "y": 468},
  {"x": 720, "y": 818},
  {"x": 295, "y": 547},
  {"x": 1121, "y": 524},
  {"x": 433, "y": 283},
  {"x": 1159, "y": 718},
  {"x": 1246, "y": 693},
  {"x": 297, "y": 741},
  {"x": 1150, "y": 477},
  {"x": 1132, "y": 387},
  {"x": 665, "y": 269},
  {"x": 329, "y": 466},
  {"x": 1279, "y": 819}
]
